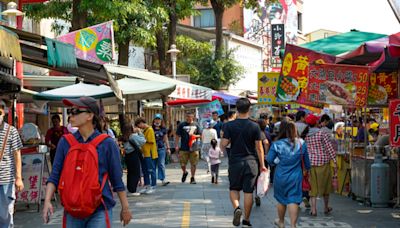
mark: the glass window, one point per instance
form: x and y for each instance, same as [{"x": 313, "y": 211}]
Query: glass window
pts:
[
  {"x": 2, "y": 8},
  {"x": 206, "y": 19}
]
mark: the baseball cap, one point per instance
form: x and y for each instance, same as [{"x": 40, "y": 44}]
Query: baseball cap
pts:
[
  {"x": 84, "y": 102},
  {"x": 158, "y": 116},
  {"x": 312, "y": 119}
]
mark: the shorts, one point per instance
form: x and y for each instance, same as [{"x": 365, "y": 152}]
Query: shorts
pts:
[
  {"x": 185, "y": 156},
  {"x": 321, "y": 180},
  {"x": 243, "y": 175}
]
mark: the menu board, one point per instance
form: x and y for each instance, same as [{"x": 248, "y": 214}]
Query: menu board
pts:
[
  {"x": 338, "y": 84},
  {"x": 293, "y": 79},
  {"x": 267, "y": 85},
  {"x": 382, "y": 88}
]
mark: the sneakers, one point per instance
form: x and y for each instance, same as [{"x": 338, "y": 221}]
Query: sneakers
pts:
[
  {"x": 165, "y": 183},
  {"x": 237, "y": 214},
  {"x": 150, "y": 190},
  {"x": 246, "y": 223},
  {"x": 212, "y": 180},
  {"x": 184, "y": 176},
  {"x": 258, "y": 201},
  {"x": 192, "y": 181},
  {"x": 143, "y": 190},
  {"x": 135, "y": 194}
]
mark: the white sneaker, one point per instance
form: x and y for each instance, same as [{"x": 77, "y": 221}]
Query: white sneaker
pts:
[
  {"x": 150, "y": 190},
  {"x": 135, "y": 194},
  {"x": 144, "y": 190}
]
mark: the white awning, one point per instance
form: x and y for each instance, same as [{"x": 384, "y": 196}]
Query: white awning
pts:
[{"x": 183, "y": 90}]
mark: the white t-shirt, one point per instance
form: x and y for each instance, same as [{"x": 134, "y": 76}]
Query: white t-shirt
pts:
[{"x": 208, "y": 134}]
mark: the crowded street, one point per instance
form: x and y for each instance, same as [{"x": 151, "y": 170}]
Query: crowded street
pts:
[{"x": 207, "y": 205}]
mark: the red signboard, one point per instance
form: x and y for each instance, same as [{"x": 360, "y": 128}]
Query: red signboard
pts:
[
  {"x": 293, "y": 79},
  {"x": 394, "y": 122},
  {"x": 338, "y": 84},
  {"x": 382, "y": 88}
]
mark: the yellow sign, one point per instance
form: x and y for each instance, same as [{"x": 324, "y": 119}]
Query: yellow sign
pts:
[{"x": 267, "y": 86}]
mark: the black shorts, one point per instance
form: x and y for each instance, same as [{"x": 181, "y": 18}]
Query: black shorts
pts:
[{"x": 243, "y": 175}]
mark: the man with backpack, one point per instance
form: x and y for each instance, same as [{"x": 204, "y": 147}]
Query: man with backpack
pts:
[{"x": 86, "y": 166}]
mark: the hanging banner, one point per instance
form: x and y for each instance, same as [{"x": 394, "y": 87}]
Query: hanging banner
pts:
[
  {"x": 267, "y": 87},
  {"x": 205, "y": 111},
  {"x": 94, "y": 44},
  {"x": 338, "y": 84},
  {"x": 293, "y": 79},
  {"x": 382, "y": 88},
  {"x": 278, "y": 39},
  {"x": 394, "y": 122}
]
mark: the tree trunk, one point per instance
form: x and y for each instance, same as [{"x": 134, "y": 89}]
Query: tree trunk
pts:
[
  {"x": 79, "y": 16},
  {"x": 123, "y": 53},
  {"x": 218, "y": 9},
  {"x": 161, "y": 51}
]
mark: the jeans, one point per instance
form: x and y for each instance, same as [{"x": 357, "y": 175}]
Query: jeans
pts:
[
  {"x": 161, "y": 163},
  {"x": 132, "y": 161},
  {"x": 7, "y": 200},
  {"x": 149, "y": 171},
  {"x": 96, "y": 220}
]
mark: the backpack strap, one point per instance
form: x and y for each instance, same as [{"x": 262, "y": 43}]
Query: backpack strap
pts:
[
  {"x": 96, "y": 141},
  {"x": 71, "y": 139}
]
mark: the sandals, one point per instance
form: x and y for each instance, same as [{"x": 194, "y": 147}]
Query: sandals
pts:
[
  {"x": 327, "y": 212},
  {"x": 278, "y": 224},
  {"x": 313, "y": 214}
]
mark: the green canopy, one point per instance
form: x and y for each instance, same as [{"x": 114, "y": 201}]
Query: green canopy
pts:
[{"x": 342, "y": 43}]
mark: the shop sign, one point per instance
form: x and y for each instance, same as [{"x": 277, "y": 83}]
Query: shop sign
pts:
[
  {"x": 205, "y": 111},
  {"x": 394, "y": 122},
  {"x": 35, "y": 174},
  {"x": 267, "y": 87},
  {"x": 338, "y": 84},
  {"x": 278, "y": 39},
  {"x": 382, "y": 88},
  {"x": 183, "y": 91},
  {"x": 293, "y": 79}
]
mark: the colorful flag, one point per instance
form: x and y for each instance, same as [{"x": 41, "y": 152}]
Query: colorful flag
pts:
[{"x": 94, "y": 44}]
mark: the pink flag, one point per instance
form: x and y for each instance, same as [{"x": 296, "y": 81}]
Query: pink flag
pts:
[{"x": 94, "y": 44}]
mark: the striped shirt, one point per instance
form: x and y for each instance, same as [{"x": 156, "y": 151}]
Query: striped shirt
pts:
[{"x": 7, "y": 164}]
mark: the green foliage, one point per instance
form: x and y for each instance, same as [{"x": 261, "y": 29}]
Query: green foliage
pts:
[{"x": 197, "y": 60}]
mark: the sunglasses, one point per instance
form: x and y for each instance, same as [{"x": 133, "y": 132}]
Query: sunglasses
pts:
[{"x": 76, "y": 111}]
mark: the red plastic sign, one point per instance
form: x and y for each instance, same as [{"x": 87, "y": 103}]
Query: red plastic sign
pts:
[{"x": 394, "y": 122}]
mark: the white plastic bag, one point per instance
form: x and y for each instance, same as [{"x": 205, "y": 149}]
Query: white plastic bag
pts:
[{"x": 263, "y": 183}]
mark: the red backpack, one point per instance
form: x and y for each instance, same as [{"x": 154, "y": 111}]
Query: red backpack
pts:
[{"x": 79, "y": 187}]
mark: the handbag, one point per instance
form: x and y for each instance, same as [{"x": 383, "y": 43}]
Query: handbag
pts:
[
  {"x": 4, "y": 143},
  {"x": 305, "y": 183}
]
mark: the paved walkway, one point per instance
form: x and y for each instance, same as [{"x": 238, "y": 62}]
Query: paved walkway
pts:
[{"x": 207, "y": 205}]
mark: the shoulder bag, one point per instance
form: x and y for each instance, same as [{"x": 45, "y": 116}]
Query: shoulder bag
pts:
[
  {"x": 305, "y": 184},
  {"x": 4, "y": 143}
]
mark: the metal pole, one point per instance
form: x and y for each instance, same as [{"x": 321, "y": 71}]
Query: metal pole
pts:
[{"x": 174, "y": 69}]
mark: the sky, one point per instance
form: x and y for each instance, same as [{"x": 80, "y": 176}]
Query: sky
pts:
[{"x": 343, "y": 15}]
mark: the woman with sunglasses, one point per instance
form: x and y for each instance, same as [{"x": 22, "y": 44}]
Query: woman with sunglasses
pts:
[{"x": 85, "y": 116}]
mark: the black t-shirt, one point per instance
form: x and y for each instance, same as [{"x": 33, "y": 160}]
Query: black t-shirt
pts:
[
  {"x": 159, "y": 133},
  {"x": 243, "y": 133},
  {"x": 184, "y": 129}
]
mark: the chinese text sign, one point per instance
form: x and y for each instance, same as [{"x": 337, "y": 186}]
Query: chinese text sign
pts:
[{"x": 394, "y": 122}]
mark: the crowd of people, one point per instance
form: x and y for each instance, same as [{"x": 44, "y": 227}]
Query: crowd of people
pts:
[{"x": 295, "y": 148}]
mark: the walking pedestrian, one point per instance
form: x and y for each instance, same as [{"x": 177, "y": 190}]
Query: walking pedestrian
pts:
[
  {"x": 207, "y": 135},
  {"x": 90, "y": 206},
  {"x": 246, "y": 147},
  {"x": 287, "y": 154},
  {"x": 231, "y": 116},
  {"x": 54, "y": 135},
  {"x": 321, "y": 152},
  {"x": 188, "y": 133},
  {"x": 150, "y": 156},
  {"x": 266, "y": 144},
  {"x": 133, "y": 140},
  {"x": 215, "y": 153},
  {"x": 10, "y": 170},
  {"x": 217, "y": 123},
  {"x": 163, "y": 147}
]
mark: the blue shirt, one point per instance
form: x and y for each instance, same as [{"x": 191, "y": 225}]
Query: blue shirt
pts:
[
  {"x": 109, "y": 161},
  {"x": 218, "y": 127}
]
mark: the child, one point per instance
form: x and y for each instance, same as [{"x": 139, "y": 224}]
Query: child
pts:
[{"x": 215, "y": 153}]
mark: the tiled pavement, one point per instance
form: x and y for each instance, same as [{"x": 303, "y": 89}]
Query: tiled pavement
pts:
[{"x": 208, "y": 205}]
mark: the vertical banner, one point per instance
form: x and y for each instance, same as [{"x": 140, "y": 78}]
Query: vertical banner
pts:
[
  {"x": 394, "y": 122},
  {"x": 267, "y": 87},
  {"x": 338, "y": 84},
  {"x": 94, "y": 44},
  {"x": 293, "y": 79},
  {"x": 382, "y": 88},
  {"x": 278, "y": 40}
]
